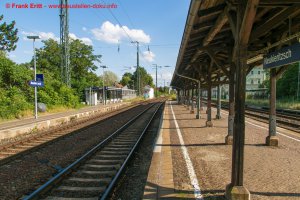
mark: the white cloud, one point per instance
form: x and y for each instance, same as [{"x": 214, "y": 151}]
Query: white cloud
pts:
[
  {"x": 148, "y": 56},
  {"x": 85, "y": 40},
  {"x": 43, "y": 35},
  {"x": 50, "y": 35},
  {"x": 111, "y": 33},
  {"x": 84, "y": 28}
]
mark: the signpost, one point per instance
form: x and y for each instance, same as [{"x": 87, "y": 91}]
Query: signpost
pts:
[
  {"x": 36, "y": 84},
  {"x": 40, "y": 77},
  {"x": 284, "y": 56}
]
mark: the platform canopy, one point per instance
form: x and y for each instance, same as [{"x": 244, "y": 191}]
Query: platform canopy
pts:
[{"x": 209, "y": 38}]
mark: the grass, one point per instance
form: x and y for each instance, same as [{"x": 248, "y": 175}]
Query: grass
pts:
[
  {"x": 50, "y": 110},
  {"x": 280, "y": 103}
]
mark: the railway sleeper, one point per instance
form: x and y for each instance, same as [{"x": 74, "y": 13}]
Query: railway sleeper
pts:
[
  {"x": 79, "y": 192},
  {"x": 97, "y": 161},
  {"x": 100, "y": 167}
]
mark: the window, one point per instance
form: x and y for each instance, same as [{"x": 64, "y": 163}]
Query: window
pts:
[
  {"x": 258, "y": 81},
  {"x": 258, "y": 72},
  {"x": 252, "y": 81},
  {"x": 251, "y": 72}
]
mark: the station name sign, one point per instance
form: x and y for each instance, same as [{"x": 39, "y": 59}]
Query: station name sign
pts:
[{"x": 282, "y": 57}]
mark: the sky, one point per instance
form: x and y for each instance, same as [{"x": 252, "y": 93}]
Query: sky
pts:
[{"x": 158, "y": 25}]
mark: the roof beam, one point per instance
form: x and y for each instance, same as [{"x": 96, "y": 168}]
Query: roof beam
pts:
[
  {"x": 248, "y": 21},
  {"x": 217, "y": 62},
  {"x": 202, "y": 25},
  {"x": 221, "y": 20},
  {"x": 274, "y": 22},
  {"x": 232, "y": 22},
  {"x": 211, "y": 10},
  {"x": 272, "y": 2}
]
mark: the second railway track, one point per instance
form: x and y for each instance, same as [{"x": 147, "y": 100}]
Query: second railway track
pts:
[{"x": 94, "y": 174}]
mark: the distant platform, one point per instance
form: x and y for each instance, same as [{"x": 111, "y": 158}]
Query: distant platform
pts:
[{"x": 18, "y": 127}]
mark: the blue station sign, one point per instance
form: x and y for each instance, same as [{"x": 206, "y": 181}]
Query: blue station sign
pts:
[
  {"x": 40, "y": 77},
  {"x": 36, "y": 83},
  {"x": 284, "y": 56}
]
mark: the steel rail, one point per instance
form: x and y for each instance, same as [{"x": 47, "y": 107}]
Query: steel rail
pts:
[
  {"x": 255, "y": 113},
  {"x": 113, "y": 182},
  {"x": 57, "y": 178},
  {"x": 41, "y": 135}
]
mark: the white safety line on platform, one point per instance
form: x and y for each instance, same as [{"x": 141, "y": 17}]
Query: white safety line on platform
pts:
[
  {"x": 189, "y": 164},
  {"x": 159, "y": 139},
  {"x": 284, "y": 135}
]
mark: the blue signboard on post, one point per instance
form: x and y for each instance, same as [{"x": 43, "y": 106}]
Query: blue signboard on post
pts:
[
  {"x": 284, "y": 56},
  {"x": 36, "y": 83},
  {"x": 40, "y": 77},
  {"x": 39, "y": 81}
]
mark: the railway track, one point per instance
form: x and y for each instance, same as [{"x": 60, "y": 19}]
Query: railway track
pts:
[
  {"x": 94, "y": 174},
  {"x": 286, "y": 121},
  {"x": 290, "y": 121},
  {"x": 24, "y": 145}
]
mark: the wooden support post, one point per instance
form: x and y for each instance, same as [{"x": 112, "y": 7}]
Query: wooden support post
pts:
[
  {"x": 239, "y": 119},
  {"x": 209, "y": 122},
  {"x": 246, "y": 12},
  {"x": 198, "y": 101},
  {"x": 272, "y": 139},
  {"x": 184, "y": 97},
  {"x": 188, "y": 100},
  {"x": 192, "y": 102},
  {"x": 201, "y": 98},
  {"x": 218, "y": 116},
  {"x": 178, "y": 97},
  {"x": 229, "y": 137}
]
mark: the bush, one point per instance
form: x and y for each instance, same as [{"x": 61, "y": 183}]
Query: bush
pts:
[{"x": 13, "y": 103}]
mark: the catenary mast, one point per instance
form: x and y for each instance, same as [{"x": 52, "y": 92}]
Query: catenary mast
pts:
[{"x": 64, "y": 42}]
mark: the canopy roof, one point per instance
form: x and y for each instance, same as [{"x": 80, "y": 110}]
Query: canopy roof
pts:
[{"x": 210, "y": 33}]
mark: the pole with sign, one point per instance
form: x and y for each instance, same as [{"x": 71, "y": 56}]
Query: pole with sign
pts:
[
  {"x": 281, "y": 57},
  {"x": 35, "y": 88}
]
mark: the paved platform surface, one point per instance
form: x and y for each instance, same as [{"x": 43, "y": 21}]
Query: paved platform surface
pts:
[{"x": 191, "y": 161}]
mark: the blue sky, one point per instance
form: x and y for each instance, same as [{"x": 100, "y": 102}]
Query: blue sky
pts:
[{"x": 158, "y": 24}]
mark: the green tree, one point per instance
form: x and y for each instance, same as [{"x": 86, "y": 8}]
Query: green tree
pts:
[
  {"x": 82, "y": 65},
  {"x": 127, "y": 79},
  {"x": 145, "y": 78},
  {"x": 82, "y": 59},
  {"x": 287, "y": 84},
  {"x": 48, "y": 57},
  {"x": 8, "y": 36},
  {"x": 110, "y": 78},
  {"x": 15, "y": 94}
]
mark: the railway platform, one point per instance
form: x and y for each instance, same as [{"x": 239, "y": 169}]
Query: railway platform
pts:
[
  {"x": 15, "y": 128},
  {"x": 192, "y": 161}
]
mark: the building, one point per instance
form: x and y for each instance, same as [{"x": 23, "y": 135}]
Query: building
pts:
[
  {"x": 148, "y": 92},
  {"x": 254, "y": 81},
  {"x": 94, "y": 95},
  {"x": 255, "y": 78}
]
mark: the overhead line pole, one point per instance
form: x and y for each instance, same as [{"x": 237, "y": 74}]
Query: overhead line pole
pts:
[
  {"x": 64, "y": 42},
  {"x": 137, "y": 67}
]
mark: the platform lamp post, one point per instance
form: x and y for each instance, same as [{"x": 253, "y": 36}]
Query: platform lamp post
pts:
[
  {"x": 34, "y": 37},
  {"x": 103, "y": 89}
]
